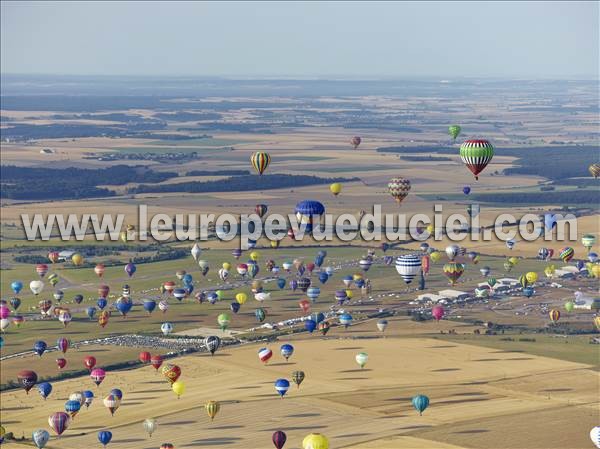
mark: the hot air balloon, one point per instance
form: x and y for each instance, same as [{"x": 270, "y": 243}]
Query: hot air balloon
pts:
[
  {"x": 77, "y": 259},
  {"x": 569, "y": 306},
  {"x": 355, "y": 141},
  {"x": 97, "y": 375},
  {"x": 171, "y": 372},
  {"x": 63, "y": 344},
  {"x": 437, "y": 312},
  {"x": 223, "y": 320},
  {"x": 298, "y": 377},
  {"x": 452, "y": 251},
  {"x": 78, "y": 299},
  {"x": 554, "y": 315},
  {"x": 212, "y": 408},
  {"x": 59, "y": 422},
  {"x": 264, "y": 354},
  {"x": 4, "y": 312},
  {"x": 286, "y": 351},
  {"x": 308, "y": 212},
  {"x": 324, "y": 327},
  {"x": 476, "y": 154},
  {"x": 588, "y": 241},
  {"x": 510, "y": 244},
  {"x": 420, "y": 403},
  {"x": 104, "y": 437},
  {"x": 466, "y": 190},
  {"x": 88, "y": 398},
  {"x": 212, "y": 343},
  {"x": 149, "y": 425},
  {"x": 260, "y": 161},
  {"x": 408, "y": 266},
  {"x": 166, "y": 328},
  {"x": 36, "y": 287},
  {"x": 103, "y": 318},
  {"x": 315, "y": 441},
  {"x": 335, "y": 188},
  {"x": 112, "y": 403},
  {"x": 89, "y": 362},
  {"x": 16, "y": 286},
  {"x": 156, "y": 361},
  {"x": 381, "y": 325},
  {"x": 261, "y": 210},
  {"x": 361, "y": 359},
  {"x": 130, "y": 269},
  {"x": 40, "y": 438},
  {"x": 99, "y": 270},
  {"x": 27, "y": 379},
  {"x": 594, "y": 170},
  {"x": 282, "y": 386},
  {"x": 566, "y": 254},
  {"x": 72, "y": 408},
  {"x": 454, "y": 131},
  {"x": 44, "y": 389},
  {"x": 41, "y": 269},
  {"x": 345, "y": 319},
  {"x": 453, "y": 271},
  {"x": 39, "y": 347},
  {"x": 167, "y": 446},
  {"x": 149, "y": 305},
  {"x": 279, "y": 438},
  {"x": 399, "y": 188},
  {"x": 178, "y": 388}
]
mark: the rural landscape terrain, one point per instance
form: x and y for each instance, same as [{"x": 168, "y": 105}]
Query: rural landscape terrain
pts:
[{"x": 506, "y": 352}]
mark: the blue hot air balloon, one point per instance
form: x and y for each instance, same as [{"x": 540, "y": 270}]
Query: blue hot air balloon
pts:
[
  {"x": 1, "y": 341},
  {"x": 88, "y": 398},
  {"x": 212, "y": 297},
  {"x": 40, "y": 347},
  {"x": 313, "y": 293},
  {"x": 149, "y": 305},
  {"x": 528, "y": 292},
  {"x": 187, "y": 279},
  {"x": 40, "y": 438},
  {"x": 580, "y": 264},
  {"x": 466, "y": 190},
  {"x": 310, "y": 325},
  {"x": 189, "y": 288},
  {"x": 45, "y": 388},
  {"x": 282, "y": 386},
  {"x": 323, "y": 277},
  {"x": 359, "y": 283},
  {"x": 235, "y": 306},
  {"x": 420, "y": 403},
  {"x": 16, "y": 286},
  {"x": 592, "y": 257},
  {"x": 293, "y": 284},
  {"x": 308, "y": 212},
  {"x": 124, "y": 305},
  {"x": 101, "y": 303},
  {"x": 72, "y": 407},
  {"x": 281, "y": 283},
  {"x": 345, "y": 319},
  {"x": 90, "y": 311},
  {"x": 348, "y": 280},
  {"x": 179, "y": 293},
  {"x": 318, "y": 317},
  {"x": 104, "y": 436},
  {"x": 287, "y": 350},
  {"x": 118, "y": 393},
  {"x": 549, "y": 221}
]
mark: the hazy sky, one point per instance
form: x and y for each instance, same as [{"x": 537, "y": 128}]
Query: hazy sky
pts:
[{"x": 440, "y": 39}]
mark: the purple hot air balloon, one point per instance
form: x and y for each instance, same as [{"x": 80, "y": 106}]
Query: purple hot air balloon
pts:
[
  {"x": 279, "y": 439},
  {"x": 130, "y": 269}
]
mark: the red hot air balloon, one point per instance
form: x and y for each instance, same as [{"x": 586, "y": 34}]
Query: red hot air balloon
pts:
[
  {"x": 145, "y": 357},
  {"x": 61, "y": 363},
  {"x": 169, "y": 286},
  {"x": 99, "y": 270},
  {"x": 304, "y": 305},
  {"x": 53, "y": 256},
  {"x": 63, "y": 344},
  {"x": 171, "y": 372},
  {"x": 156, "y": 361},
  {"x": 27, "y": 379},
  {"x": 279, "y": 439},
  {"x": 97, "y": 375},
  {"x": 89, "y": 362},
  {"x": 103, "y": 291},
  {"x": 59, "y": 422},
  {"x": 437, "y": 312},
  {"x": 41, "y": 269}
]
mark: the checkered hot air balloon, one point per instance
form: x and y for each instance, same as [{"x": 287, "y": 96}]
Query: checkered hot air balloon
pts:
[
  {"x": 399, "y": 188},
  {"x": 476, "y": 154},
  {"x": 595, "y": 170},
  {"x": 408, "y": 266},
  {"x": 260, "y": 161}
]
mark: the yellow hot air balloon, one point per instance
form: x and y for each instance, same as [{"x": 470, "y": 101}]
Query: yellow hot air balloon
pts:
[
  {"x": 241, "y": 298},
  {"x": 335, "y": 188},
  {"x": 435, "y": 256},
  {"x": 597, "y": 323},
  {"x": 275, "y": 243},
  {"x": 596, "y": 271},
  {"x": 212, "y": 408},
  {"x": 430, "y": 228},
  {"x": 178, "y": 388},
  {"x": 77, "y": 259},
  {"x": 531, "y": 277},
  {"x": 254, "y": 255},
  {"x": 549, "y": 271},
  {"x": 349, "y": 294},
  {"x": 513, "y": 260},
  {"x": 226, "y": 266},
  {"x": 315, "y": 441}
]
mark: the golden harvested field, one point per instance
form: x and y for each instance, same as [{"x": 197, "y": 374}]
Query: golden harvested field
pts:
[{"x": 478, "y": 396}]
